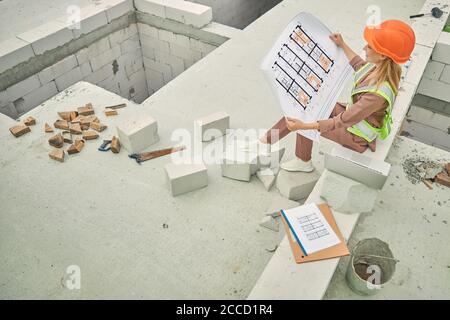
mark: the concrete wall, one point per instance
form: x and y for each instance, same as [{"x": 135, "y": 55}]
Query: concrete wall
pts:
[
  {"x": 131, "y": 53},
  {"x": 436, "y": 79},
  {"x": 238, "y": 13}
]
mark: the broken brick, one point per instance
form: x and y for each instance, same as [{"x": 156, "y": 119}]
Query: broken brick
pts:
[
  {"x": 76, "y": 147},
  {"x": 90, "y": 135},
  {"x": 443, "y": 178},
  {"x": 57, "y": 154},
  {"x": 91, "y": 118},
  {"x": 447, "y": 167},
  {"x": 115, "y": 145},
  {"x": 75, "y": 128},
  {"x": 86, "y": 110},
  {"x": 56, "y": 141},
  {"x": 18, "y": 131},
  {"x": 47, "y": 128},
  {"x": 111, "y": 112},
  {"x": 67, "y": 136},
  {"x": 30, "y": 121},
  {"x": 68, "y": 115},
  {"x": 98, "y": 126},
  {"x": 61, "y": 124}
]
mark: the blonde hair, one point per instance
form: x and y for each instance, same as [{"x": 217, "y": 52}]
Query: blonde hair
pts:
[{"x": 388, "y": 70}]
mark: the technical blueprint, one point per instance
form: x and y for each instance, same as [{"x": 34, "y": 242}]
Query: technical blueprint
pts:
[{"x": 307, "y": 71}]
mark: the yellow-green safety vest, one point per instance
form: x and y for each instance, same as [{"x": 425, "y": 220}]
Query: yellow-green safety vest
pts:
[{"x": 364, "y": 129}]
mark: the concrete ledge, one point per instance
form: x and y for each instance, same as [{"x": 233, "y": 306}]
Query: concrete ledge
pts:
[
  {"x": 13, "y": 52},
  {"x": 186, "y": 12}
]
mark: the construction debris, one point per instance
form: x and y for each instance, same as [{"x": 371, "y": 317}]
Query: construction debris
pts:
[
  {"x": 68, "y": 115},
  {"x": 418, "y": 169},
  {"x": 86, "y": 110},
  {"x": 47, "y": 128},
  {"x": 61, "y": 124},
  {"x": 57, "y": 154},
  {"x": 76, "y": 147},
  {"x": 428, "y": 183},
  {"x": 56, "y": 141},
  {"x": 98, "y": 126},
  {"x": 29, "y": 121},
  {"x": 115, "y": 145},
  {"x": 75, "y": 128},
  {"x": 141, "y": 157},
  {"x": 110, "y": 112},
  {"x": 20, "y": 130},
  {"x": 270, "y": 223},
  {"x": 67, "y": 136},
  {"x": 90, "y": 135},
  {"x": 117, "y": 106},
  {"x": 443, "y": 178}
]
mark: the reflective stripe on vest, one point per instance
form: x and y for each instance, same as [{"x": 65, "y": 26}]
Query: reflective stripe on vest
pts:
[{"x": 364, "y": 129}]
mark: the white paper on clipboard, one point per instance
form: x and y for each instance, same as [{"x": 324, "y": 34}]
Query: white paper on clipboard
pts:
[{"x": 306, "y": 71}]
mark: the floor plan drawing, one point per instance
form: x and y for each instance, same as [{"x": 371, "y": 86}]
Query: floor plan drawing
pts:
[
  {"x": 306, "y": 70},
  {"x": 313, "y": 227}
]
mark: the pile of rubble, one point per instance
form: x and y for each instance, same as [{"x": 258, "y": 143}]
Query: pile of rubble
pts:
[
  {"x": 420, "y": 169},
  {"x": 83, "y": 123}
]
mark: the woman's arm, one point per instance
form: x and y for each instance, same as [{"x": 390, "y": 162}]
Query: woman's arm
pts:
[{"x": 339, "y": 41}]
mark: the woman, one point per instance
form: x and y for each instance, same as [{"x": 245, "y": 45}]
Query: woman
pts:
[{"x": 368, "y": 116}]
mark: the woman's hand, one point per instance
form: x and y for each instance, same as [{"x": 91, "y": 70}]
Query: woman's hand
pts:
[
  {"x": 296, "y": 124},
  {"x": 337, "y": 39}
]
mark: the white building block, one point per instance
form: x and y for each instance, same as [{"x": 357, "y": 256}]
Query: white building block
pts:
[
  {"x": 435, "y": 89},
  {"x": 188, "y": 13},
  {"x": 160, "y": 67},
  {"x": 270, "y": 223},
  {"x": 238, "y": 165},
  {"x": 155, "y": 79},
  {"x": 183, "y": 52},
  {"x": 441, "y": 52},
  {"x": 137, "y": 132},
  {"x": 434, "y": 70},
  {"x": 23, "y": 87},
  {"x": 154, "y": 7},
  {"x": 86, "y": 69},
  {"x": 118, "y": 8},
  {"x": 182, "y": 41},
  {"x": 69, "y": 78},
  {"x": 130, "y": 45},
  {"x": 166, "y": 35},
  {"x": 9, "y": 110},
  {"x": 154, "y": 43},
  {"x": 346, "y": 195},
  {"x": 212, "y": 126},
  {"x": 149, "y": 31},
  {"x": 267, "y": 176},
  {"x": 91, "y": 18},
  {"x": 36, "y": 97},
  {"x": 176, "y": 64},
  {"x": 100, "y": 75},
  {"x": 445, "y": 76},
  {"x": 121, "y": 35},
  {"x": 94, "y": 50},
  {"x": 47, "y": 36},
  {"x": 4, "y": 98},
  {"x": 185, "y": 178},
  {"x": 296, "y": 185},
  {"x": 428, "y": 118},
  {"x": 105, "y": 58},
  {"x": 14, "y": 51}
]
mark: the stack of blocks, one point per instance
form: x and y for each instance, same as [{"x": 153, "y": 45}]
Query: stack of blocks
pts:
[
  {"x": 138, "y": 133},
  {"x": 185, "y": 178}
]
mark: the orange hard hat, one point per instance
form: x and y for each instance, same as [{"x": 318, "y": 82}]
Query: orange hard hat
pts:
[{"x": 392, "y": 38}]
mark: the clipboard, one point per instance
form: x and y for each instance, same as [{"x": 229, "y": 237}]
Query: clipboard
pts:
[{"x": 338, "y": 250}]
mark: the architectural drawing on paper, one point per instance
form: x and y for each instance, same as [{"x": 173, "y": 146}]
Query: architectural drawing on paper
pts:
[{"x": 313, "y": 227}]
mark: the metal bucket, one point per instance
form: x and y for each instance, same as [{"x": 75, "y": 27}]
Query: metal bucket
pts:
[{"x": 371, "y": 266}]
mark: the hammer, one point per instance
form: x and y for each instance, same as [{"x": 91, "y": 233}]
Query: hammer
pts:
[{"x": 435, "y": 12}]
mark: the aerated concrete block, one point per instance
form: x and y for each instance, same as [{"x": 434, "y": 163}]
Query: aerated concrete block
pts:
[
  {"x": 212, "y": 126},
  {"x": 239, "y": 165},
  {"x": 185, "y": 178},
  {"x": 138, "y": 133},
  {"x": 346, "y": 195},
  {"x": 270, "y": 223},
  {"x": 14, "y": 51},
  {"x": 296, "y": 185},
  {"x": 267, "y": 177}
]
